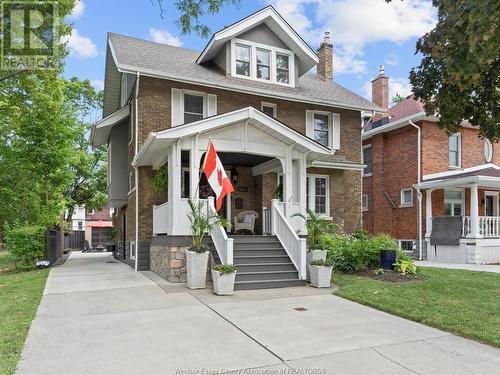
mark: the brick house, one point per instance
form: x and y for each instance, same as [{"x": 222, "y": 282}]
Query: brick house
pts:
[
  {"x": 289, "y": 139},
  {"x": 403, "y": 190}
]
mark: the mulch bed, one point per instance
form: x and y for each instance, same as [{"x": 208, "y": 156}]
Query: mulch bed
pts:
[{"x": 389, "y": 276}]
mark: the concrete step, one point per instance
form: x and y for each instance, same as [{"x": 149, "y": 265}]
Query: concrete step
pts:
[
  {"x": 268, "y": 284},
  {"x": 266, "y": 275}
]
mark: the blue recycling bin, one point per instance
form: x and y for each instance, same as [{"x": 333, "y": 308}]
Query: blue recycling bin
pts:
[{"x": 388, "y": 258}]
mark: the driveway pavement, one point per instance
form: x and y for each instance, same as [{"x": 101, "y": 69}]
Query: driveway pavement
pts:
[
  {"x": 97, "y": 316},
  {"x": 458, "y": 266}
]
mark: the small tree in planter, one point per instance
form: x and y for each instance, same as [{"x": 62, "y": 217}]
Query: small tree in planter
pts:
[
  {"x": 317, "y": 228},
  {"x": 223, "y": 277},
  {"x": 321, "y": 273},
  {"x": 202, "y": 222},
  {"x": 110, "y": 235}
]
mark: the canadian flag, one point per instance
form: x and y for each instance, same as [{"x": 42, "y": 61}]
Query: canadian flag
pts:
[{"x": 216, "y": 175}]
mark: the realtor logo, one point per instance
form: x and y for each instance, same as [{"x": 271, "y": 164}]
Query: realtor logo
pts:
[{"x": 29, "y": 34}]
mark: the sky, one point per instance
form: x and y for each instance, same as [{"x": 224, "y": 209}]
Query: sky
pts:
[{"x": 365, "y": 33}]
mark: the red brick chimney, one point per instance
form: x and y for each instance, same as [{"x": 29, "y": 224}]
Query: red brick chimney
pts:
[
  {"x": 325, "y": 54},
  {"x": 380, "y": 89}
]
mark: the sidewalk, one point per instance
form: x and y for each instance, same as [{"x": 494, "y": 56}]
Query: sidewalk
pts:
[
  {"x": 98, "y": 316},
  {"x": 457, "y": 266}
]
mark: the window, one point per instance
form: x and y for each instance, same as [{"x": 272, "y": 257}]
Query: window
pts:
[
  {"x": 269, "y": 109},
  {"x": 406, "y": 197},
  {"x": 243, "y": 60},
  {"x": 454, "y": 150},
  {"x": 80, "y": 225},
  {"x": 317, "y": 194},
  {"x": 131, "y": 181},
  {"x": 321, "y": 128},
  {"x": 488, "y": 150},
  {"x": 364, "y": 202},
  {"x": 193, "y": 108},
  {"x": 132, "y": 249},
  {"x": 406, "y": 245},
  {"x": 282, "y": 68},
  {"x": 91, "y": 212},
  {"x": 453, "y": 202},
  {"x": 185, "y": 189},
  {"x": 367, "y": 160},
  {"x": 263, "y": 64}
]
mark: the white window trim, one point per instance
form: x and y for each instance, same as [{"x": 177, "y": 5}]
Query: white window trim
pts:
[
  {"x": 207, "y": 110},
  {"x": 363, "y": 207},
  {"x": 132, "y": 243},
  {"x": 312, "y": 186},
  {"x": 400, "y": 241},
  {"x": 363, "y": 159},
  {"x": 130, "y": 178},
  {"x": 330, "y": 126},
  {"x": 459, "y": 135},
  {"x": 253, "y": 62},
  {"x": 402, "y": 203},
  {"x": 455, "y": 201},
  {"x": 274, "y": 106},
  {"x": 488, "y": 150}
]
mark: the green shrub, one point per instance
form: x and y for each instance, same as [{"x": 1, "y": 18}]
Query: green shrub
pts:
[
  {"x": 322, "y": 263},
  {"x": 25, "y": 243},
  {"x": 224, "y": 269}
]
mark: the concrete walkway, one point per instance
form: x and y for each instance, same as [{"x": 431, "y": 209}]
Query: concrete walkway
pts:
[
  {"x": 457, "y": 266},
  {"x": 97, "y": 316}
]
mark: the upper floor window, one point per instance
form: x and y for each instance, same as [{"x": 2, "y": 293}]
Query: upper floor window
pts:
[
  {"x": 488, "y": 150},
  {"x": 80, "y": 225},
  {"x": 193, "y": 108},
  {"x": 321, "y": 128},
  {"x": 406, "y": 197},
  {"x": 262, "y": 62},
  {"x": 367, "y": 160},
  {"x": 364, "y": 202},
  {"x": 454, "y": 146}
]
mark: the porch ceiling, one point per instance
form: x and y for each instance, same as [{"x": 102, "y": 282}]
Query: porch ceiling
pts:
[{"x": 157, "y": 144}]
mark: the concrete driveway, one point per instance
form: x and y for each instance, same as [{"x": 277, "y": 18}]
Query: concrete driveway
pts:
[{"x": 97, "y": 316}]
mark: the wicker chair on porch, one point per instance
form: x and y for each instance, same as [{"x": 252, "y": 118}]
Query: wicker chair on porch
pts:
[{"x": 245, "y": 220}]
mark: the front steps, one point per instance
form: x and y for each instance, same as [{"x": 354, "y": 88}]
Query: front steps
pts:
[{"x": 262, "y": 263}]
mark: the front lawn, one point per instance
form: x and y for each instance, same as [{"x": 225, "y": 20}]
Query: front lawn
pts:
[
  {"x": 465, "y": 303},
  {"x": 20, "y": 294}
]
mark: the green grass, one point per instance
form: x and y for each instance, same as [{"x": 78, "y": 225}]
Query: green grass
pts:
[
  {"x": 20, "y": 293},
  {"x": 465, "y": 303}
]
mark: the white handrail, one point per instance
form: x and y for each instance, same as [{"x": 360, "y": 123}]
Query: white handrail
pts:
[
  {"x": 489, "y": 226},
  {"x": 294, "y": 246},
  {"x": 223, "y": 244}
]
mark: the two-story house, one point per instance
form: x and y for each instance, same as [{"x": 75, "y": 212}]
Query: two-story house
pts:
[
  {"x": 289, "y": 139},
  {"x": 415, "y": 172},
  {"x": 93, "y": 224}
]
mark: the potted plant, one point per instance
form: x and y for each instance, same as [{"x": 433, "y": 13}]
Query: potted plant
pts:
[
  {"x": 317, "y": 228},
  {"x": 321, "y": 273},
  {"x": 223, "y": 276},
  {"x": 387, "y": 246},
  {"x": 202, "y": 222},
  {"x": 110, "y": 235}
]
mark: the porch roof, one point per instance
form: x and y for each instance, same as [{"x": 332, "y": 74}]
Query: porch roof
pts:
[
  {"x": 487, "y": 175},
  {"x": 157, "y": 143}
]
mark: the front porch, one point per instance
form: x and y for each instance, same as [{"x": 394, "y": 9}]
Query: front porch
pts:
[{"x": 466, "y": 226}]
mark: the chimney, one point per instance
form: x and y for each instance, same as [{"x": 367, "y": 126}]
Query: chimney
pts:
[
  {"x": 325, "y": 54},
  {"x": 380, "y": 89}
]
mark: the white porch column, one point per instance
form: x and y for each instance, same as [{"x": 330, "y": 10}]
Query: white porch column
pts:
[
  {"x": 174, "y": 182},
  {"x": 302, "y": 189},
  {"x": 474, "y": 213},
  {"x": 287, "y": 179},
  {"x": 194, "y": 169},
  {"x": 428, "y": 213}
]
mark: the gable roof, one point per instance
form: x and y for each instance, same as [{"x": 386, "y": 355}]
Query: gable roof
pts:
[
  {"x": 268, "y": 15},
  {"x": 133, "y": 55}
]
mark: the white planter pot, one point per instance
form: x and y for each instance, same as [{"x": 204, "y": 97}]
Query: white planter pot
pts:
[
  {"x": 314, "y": 255},
  {"x": 196, "y": 267},
  {"x": 320, "y": 276},
  {"x": 223, "y": 283}
]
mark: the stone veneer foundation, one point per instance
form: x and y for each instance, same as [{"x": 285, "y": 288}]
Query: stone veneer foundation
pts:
[{"x": 169, "y": 262}]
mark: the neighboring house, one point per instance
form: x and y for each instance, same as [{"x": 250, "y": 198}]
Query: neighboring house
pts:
[
  {"x": 93, "y": 223},
  {"x": 453, "y": 168},
  {"x": 279, "y": 130}
]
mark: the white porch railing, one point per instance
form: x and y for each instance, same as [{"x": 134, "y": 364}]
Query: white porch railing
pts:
[
  {"x": 489, "y": 226},
  {"x": 266, "y": 220},
  {"x": 223, "y": 244},
  {"x": 161, "y": 219},
  {"x": 292, "y": 243}
]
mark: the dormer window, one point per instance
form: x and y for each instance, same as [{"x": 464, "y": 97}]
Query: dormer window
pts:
[{"x": 262, "y": 62}]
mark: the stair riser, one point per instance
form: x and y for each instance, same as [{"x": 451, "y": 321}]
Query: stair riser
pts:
[
  {"x": 259, "y": 252},
  {"x": 265, "y": 267},
  {"x": 246, "y": 260},
  {"x": 257, "y": 245},
  {"x": 267, "y": 276},
  {"x": 269, "y": 285}
]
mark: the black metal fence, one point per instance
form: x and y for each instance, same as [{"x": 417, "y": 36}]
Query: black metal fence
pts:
[{"x": 73, "y": 240}]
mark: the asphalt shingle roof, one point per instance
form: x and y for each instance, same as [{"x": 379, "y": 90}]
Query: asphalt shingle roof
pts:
[{"x": 180, "y": 63}]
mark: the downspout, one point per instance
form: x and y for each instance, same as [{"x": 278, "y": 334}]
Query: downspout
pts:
[
  {"x": 136, "y": 169},
  {"x": 419, "y": 193}
]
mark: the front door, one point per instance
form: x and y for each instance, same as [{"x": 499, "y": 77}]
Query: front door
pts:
[{"x": 491, "y": 203}]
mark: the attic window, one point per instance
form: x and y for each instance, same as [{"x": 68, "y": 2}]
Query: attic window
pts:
[{"x": 262, "y": 62}]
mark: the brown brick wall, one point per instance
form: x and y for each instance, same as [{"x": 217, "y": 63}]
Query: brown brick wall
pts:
[{"x": 154, "y": 115}]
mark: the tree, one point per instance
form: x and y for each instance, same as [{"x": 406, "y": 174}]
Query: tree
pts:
[
  {"x": 397, "y": 98},
  {"x": 192, "y": 10},
  {"x": 459, "y": 75}
]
